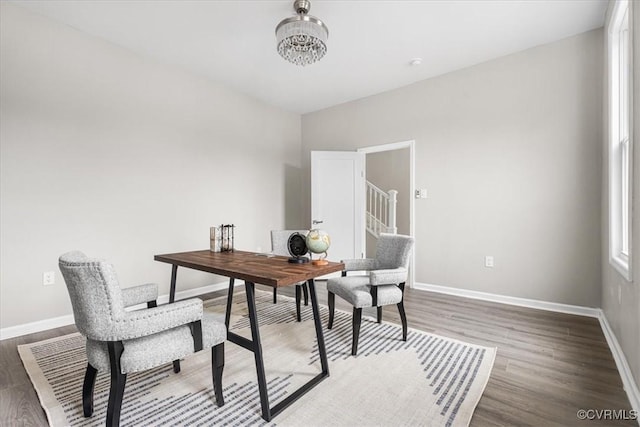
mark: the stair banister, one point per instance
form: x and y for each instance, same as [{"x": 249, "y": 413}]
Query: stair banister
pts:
[{"x": 381, "y": 210}]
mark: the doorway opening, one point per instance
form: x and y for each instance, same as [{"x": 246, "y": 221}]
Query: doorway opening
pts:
[{"x": 392, "y": 167}]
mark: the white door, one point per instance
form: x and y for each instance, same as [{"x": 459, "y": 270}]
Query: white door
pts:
[{"x": 338, "y": 201}]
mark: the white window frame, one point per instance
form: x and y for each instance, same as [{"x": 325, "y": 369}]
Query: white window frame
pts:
[{"x": 620, "y": 63}]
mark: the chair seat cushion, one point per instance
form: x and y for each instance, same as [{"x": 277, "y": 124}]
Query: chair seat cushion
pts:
[
  {"x": 356, "y": 290},
  {"x": 157, "y": 349}
]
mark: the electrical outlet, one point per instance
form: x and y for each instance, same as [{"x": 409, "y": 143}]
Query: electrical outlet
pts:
[
  {"x": 48, "y": 278},
  {"x": 421, "y": 193},
  {"x": 488, "y": 261}
]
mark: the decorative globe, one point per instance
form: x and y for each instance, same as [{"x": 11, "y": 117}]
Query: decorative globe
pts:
[{"x": 318, "y": 242}]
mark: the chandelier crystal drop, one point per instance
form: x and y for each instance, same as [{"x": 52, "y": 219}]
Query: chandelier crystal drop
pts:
[{"x": 302, "y": 39}]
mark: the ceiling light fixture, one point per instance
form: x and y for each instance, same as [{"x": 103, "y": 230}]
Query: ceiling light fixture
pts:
[{"x": 302, "y": 39}]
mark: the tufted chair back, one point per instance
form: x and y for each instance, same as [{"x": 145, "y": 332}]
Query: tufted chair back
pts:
[
  {"x": 393, "y": 251},
  {"x": 95, "y": 294}
]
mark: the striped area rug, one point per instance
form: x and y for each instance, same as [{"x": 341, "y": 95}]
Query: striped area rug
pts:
[{"x": 428, "y": 380}]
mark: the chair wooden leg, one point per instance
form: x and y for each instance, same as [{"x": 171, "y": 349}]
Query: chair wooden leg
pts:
[
  {"x": 357, "y": 320},
  {"x": 275, "y": 295},
  {"x": 87, "y": 390},
  {"x": 118, "y": 380},
  {"x": 217, "y": 366},
  {"x": 176, "y": 365},
  {"x": 403, "y": 316},
  {"x": 305, "y": 289},
  {"x": 331, "y": 298},
  {"x": 403, "y": 319},
  {"x": 298, "y": 298},
  {"x": 379, "y": 318}
]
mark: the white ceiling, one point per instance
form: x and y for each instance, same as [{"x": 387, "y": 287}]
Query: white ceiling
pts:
[{"x": 370, "y": 42}]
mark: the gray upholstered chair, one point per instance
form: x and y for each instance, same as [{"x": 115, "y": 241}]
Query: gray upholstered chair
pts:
[
  {"x": 122, "y": 341},
  {"x": 279, "y": 240},
  {"x": 382, "y": 285}
]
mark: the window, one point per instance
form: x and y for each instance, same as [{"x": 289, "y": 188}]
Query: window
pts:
[{"x": 620, "y": 133}]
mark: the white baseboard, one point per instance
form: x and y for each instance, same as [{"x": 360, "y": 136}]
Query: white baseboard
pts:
[
  {"x": 628, "y": 381},
  {"x": 504, "y": 299},
  {"x": 190, "y": 293},
  {"x": 40, "y": 325},
  {"x": 624, "y": 370},
  {"x": 56, "y": 322}
]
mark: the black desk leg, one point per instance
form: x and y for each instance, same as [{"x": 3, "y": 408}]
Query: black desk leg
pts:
[
  {"x": 172, "y": 298},
  {"x": 322, "y": 350},
  {"x": 257, "y": 350},
  {"x": 227, "y": 315},
  {"x": 172, "y": 290},
  {"x": 255, "y": 346}
]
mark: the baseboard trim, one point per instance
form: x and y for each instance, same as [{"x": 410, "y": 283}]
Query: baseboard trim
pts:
[
  {"x": 504, "y": 299},
  {"x": 38, "y": 326},
  {"x": 628, "y": 381},
  {"x": 56, "y": 322},
  {"x": 190, "y": 293}
]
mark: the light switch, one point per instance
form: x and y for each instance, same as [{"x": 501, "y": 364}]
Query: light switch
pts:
[{"x": 421, "y": 193}]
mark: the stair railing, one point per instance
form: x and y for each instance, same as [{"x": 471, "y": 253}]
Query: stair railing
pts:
[{"x": 381, "y": 210}]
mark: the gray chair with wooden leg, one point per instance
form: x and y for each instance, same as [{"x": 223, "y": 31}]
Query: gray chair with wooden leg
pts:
[
  {"x": 382, "y": 285},
  {"x": 279, "y": 239},
  {"x": 122, "y": 342}
]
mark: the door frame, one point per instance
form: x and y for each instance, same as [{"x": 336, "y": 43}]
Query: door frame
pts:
[{"x": 412, "y": 190}]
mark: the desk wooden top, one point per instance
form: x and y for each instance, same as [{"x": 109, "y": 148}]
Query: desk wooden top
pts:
[{"x": 250, "y": 266}]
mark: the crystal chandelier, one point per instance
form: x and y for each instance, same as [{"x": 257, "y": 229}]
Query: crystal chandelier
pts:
[{"x": 302, "y": 39}]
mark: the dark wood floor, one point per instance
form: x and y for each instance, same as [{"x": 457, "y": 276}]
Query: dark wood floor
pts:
[{"x": 548, "y": 366}]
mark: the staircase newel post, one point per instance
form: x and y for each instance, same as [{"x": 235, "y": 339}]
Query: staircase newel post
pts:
[{"x": 393, "y": 200}]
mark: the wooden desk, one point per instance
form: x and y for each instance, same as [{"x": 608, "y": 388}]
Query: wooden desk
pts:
[{"x": 271, "y": 271}]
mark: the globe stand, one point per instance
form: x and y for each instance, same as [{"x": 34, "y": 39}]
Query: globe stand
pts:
[{"x": 320, "y": 261}]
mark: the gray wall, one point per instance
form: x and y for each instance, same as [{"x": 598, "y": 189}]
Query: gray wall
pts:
[
  {"x": 389, "y": 170},
  {"x": 623, "y": 314},
  {"x": 108, "y": 152},
  {"x": 510, "y": 151}
]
